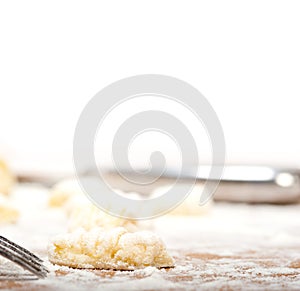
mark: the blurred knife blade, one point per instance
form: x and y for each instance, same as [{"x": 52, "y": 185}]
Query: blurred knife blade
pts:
[{"x": 239, "y": 183}]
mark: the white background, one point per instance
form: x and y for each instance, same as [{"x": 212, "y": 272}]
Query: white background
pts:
[{"x": 244, "y": 56}]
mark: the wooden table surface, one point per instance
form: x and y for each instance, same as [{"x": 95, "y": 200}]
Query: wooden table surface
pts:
[{"x": 233, "y": 247}]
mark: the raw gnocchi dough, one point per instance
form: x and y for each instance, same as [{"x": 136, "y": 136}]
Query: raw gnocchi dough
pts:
[
  {"x": 190, "y": 206},
  {"x": 63, "y": 192},
  {"x": 8, "y": 214},
  {"x": 90, "y": 216},
  {"x": 69, "y": 195},
  {"x": 6, "y": 178},
  {"x": 115, "y": 249},
  {"x": 82, "y": 213}
]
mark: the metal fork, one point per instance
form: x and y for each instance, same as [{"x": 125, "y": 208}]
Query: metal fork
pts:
[{"x": 22, "y": 257}]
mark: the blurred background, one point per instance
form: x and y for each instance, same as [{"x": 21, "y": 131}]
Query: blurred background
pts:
[{"x": 242, "y": 55}]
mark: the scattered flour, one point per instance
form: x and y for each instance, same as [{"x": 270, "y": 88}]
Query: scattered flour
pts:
[{"x": 235, "y": 247}]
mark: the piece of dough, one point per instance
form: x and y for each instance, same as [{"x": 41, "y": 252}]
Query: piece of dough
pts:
[
  {"x": 8, "y": 214},
  {"x": 90, "y": 216},
  {"x": 190, "y": 206},
  {"x": 6, "y": 178},
  {"x": 83, "y": 213},
  {"x": 68, "y": 194},
  {"x": 63, "y": 192},
  {"x": 115, "y": 249}
]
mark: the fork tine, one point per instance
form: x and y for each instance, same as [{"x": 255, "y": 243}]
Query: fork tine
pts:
[
  {"x": 31, "y": 266},
  {"x": 15, "y": 249},
  {"x": 21, "y": 251},
  {"x": 22, "y": 257},
  {"x": 18, "y": 247}
]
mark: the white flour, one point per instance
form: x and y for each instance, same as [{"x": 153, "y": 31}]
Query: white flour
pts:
[{"x": 233, "y": 247}]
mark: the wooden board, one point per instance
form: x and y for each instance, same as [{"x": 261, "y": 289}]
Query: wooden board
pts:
[{"x": 234, "y": 247}]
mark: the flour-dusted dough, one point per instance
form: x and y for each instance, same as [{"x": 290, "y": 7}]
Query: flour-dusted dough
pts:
[
  {"x": 63, "y": 192},
  {"x": 82, "y": 213},
  {"x": 190, "y": 206},
  {"x": 6, "y": 178},
  {"x": 90, "y": 216},
  {"x": 115, "y": 249},
  {"x": 68, "y": 194},
  {"x": 8, "y": 214}
]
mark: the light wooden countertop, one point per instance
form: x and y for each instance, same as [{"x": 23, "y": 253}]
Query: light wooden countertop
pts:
[{"x": 233, "y": 247}]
